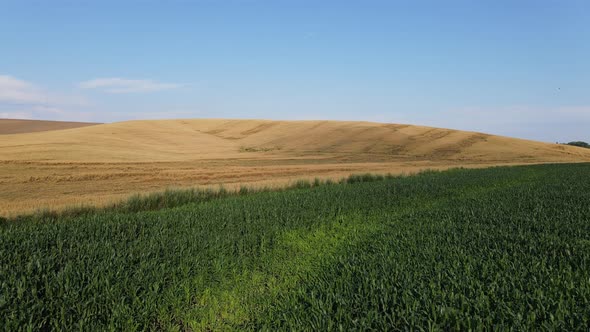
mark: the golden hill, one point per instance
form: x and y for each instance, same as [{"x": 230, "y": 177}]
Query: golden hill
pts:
[
  {"x": 100, "y": 163},
  {"x": 17, "y": 126},
  {"x": 182, "y": 140}
]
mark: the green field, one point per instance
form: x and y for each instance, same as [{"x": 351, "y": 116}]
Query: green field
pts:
[{"x": 502, "y": 248}]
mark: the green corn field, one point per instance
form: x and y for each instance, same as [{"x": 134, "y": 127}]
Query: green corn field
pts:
[{"x": 504, "y": 248}]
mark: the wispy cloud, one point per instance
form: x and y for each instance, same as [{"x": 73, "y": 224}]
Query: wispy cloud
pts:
[
  {"x": 46, "y": 113},
  {"x": 20, "y": 99},
  {"x": 13, "y": 90},
  {"x": 16, "y": 115},
  {"x": 121, "y": 85},
  {"x": 17, "y": 91}
]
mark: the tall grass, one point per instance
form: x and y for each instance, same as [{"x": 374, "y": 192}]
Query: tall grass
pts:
[{"x": 177, "y": 197}]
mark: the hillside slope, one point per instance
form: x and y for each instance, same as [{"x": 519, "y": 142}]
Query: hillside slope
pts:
[
  {"x": 102, "y": 163},
  {"x": 181, "y": 140}
]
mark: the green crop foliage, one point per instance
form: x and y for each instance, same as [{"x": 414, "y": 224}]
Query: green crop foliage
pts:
[
  {"x": 504, "y": 248},
  {"x": 580, "y": 144}
]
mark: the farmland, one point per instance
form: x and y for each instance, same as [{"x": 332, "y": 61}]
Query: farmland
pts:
[
  {"x": 16, "y": 126},
  {"x": 503, "y": 247},
  {"x": 103, "y": 163}
]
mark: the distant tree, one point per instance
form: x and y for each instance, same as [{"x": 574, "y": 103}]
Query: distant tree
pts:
[{"x": 580, "y": 144}]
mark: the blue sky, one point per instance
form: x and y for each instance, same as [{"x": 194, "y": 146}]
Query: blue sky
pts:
[{"x": 517, "y": 68}]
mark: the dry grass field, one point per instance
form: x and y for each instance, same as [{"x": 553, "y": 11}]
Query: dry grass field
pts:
[{"x": 74, "y": 164}]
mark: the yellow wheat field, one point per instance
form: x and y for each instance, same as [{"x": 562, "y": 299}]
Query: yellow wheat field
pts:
[{"x": 101, "y": 163}]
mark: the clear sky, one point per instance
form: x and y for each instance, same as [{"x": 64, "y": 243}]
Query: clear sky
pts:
[{"x": 510, "y": 67}]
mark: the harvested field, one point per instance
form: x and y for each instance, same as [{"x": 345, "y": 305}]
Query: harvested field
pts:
[{"x": 98, "y": 164}]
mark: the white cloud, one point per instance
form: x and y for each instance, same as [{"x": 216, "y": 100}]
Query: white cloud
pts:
[
  {"x": 17, "y": 91},
  {"x": 121, "y": 85},
  {"x": 13, "y": 90},
  {"x": 47, "y": 113},
  {"x": 16, "y": 115},
  {"x": 20, "y": 99}
]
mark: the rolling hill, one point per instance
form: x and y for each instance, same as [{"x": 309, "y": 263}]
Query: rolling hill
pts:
[
  {"x": 99, "y": 163},
  {"x": 181, "y": 140},
  {"x": 18, "y": 126}
]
